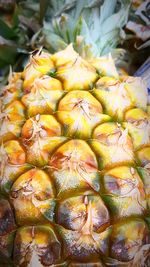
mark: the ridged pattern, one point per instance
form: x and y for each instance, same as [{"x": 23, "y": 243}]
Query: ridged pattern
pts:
[{"x": 75, "y": 166}]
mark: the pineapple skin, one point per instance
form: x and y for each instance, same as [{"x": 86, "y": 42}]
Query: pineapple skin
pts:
[{"x": 75, "y": 166}]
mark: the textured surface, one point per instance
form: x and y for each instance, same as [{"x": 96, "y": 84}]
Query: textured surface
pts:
[{"x": 75, "y": 166}]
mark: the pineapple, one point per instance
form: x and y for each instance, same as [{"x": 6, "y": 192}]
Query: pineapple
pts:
[
  {"x": 75, "y": 165},
  {"x": 75, "y": 148}
]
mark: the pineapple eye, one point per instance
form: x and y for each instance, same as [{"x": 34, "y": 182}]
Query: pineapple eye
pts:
[
  {"x": 39, "y": 245},
  {"x": 74, "y": 214},
  {"x": 74, "y": 168},
  {"x": 127, "y": 247},
  {"x": 32, "y": 195}
]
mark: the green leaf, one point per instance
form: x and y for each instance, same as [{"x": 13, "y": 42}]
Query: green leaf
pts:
[
  {"x": 107, "y": 9},
  {"x": 117, "y": 20},
  {"x": 98, "y": 23},
  {"x": 30, "y": 5},
  {"x": 53, "y": 42},
  {"x": 15, "y": 17},
  {"x": 7, "y": 55},
  {"x": 85, "y": 32},
  {"x": 9, "y": 51},
  {"x": 66, "y": 7},
  {"x": 29, "y": 23},
  {"x": 6, "y": 31},
  {"x": 43, "y": 7}
]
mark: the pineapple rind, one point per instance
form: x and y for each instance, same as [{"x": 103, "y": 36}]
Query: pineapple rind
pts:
[{"x": 75, "y": 155}]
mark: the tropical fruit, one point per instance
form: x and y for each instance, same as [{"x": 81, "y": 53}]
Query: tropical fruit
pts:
[{"x": 75, "y": 165}]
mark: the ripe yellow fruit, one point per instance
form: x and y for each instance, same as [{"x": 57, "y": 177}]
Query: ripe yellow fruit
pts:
[{"x": 75, "y": 165}]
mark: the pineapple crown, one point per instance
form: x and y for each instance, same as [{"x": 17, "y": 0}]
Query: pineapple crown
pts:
[{"x": 94, "y": 27}]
